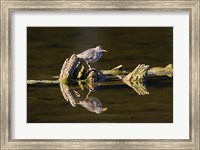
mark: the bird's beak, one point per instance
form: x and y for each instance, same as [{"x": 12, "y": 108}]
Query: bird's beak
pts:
[
  {"x": 104, "y": 109},
  {"x": 104, "y": 51}
]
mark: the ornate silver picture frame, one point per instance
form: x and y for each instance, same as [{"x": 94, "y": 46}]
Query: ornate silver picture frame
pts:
[{"x": 9, "y": 7}]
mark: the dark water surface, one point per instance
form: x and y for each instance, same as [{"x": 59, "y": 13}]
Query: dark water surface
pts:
[{"x": 47, "y": 49}]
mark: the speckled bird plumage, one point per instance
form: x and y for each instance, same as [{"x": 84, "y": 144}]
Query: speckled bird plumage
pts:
[{"x": 92, "y": 55}]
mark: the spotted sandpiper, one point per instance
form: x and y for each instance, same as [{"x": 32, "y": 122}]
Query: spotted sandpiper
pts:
[{"x": 91, "y": 55}]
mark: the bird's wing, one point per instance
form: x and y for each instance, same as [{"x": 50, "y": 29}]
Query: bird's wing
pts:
[{"x": 87, "y": 54}]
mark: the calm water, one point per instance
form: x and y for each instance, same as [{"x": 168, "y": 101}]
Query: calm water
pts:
[{"x": 47, "y": 48}]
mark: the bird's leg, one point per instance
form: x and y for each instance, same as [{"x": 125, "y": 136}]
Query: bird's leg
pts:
[
  {"x": 88, "y": 65},
  {"x": 88, "y": 93},
  {"x": 90, "y": 68}
]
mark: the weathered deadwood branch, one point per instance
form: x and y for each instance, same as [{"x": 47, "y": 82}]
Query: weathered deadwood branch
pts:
[
  {"x": 43, "y": 82},
  {"x": 75, "y": 69}
]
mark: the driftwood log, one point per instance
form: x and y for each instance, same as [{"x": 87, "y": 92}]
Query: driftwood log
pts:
[{"x": 76, "y": 70}]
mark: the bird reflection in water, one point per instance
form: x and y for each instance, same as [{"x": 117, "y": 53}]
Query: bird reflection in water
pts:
[{"x": 92, "y": 104}]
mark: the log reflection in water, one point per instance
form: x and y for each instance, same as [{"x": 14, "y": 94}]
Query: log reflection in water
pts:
[{"x": 92, "y": 104}]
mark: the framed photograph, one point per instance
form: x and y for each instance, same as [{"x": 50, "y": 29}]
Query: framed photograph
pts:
[{"x": 100, "y": 74}]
